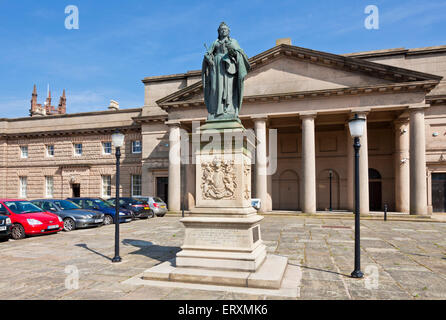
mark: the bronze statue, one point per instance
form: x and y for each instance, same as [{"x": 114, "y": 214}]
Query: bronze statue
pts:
[{"x": 225, "y": 66}]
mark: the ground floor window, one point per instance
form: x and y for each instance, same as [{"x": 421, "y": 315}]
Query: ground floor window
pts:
[
  {"x": 23, "y": 187},
  {"x": 49, "y": 185},
  {"x": 106, "y": 186},
  {"x": 136, "y": 185}
]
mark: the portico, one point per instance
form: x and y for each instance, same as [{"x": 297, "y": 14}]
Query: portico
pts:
[{"x": 308, "y": 97}]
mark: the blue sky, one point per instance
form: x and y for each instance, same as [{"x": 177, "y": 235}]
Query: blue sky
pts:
[{"x": 120, "y": 42}]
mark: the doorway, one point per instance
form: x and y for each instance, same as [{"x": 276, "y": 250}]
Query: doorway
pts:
[
  {"x": 375, "y": 190},
  {"x": 438, "y": 192},
  {"x": 289, "y": 191},
  {"x": 76, "y": 190},
  {"x": 162, "y": 185}
]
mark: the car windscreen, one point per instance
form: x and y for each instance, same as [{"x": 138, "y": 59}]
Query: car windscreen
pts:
[
  {"x": 137, "y": 201},
  {"x": 66, "y": 205},
  {"x": 22, "y": 207},
  {"x": 157, "y": 200},
  {"x": 102, "y": 203}
]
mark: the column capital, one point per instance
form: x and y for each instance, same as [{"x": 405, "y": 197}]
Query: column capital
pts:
[
  {"x": 173, "y": 123},
  {"x": 418, "y": 106},
  {"x": 307, "y": 114},
  {"x": 259, "y": 117}
]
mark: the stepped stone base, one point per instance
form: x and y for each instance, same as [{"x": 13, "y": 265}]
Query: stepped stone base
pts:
[{"x": 268, "y": 276}]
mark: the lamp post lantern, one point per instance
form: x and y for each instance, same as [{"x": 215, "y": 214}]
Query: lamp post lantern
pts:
[
  {"x": 356, "y": 126},
  {"x": 118, "y": 141}
]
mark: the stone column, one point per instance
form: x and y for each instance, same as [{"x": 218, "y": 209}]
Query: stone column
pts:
[
  {"x": 402, "y": 172},
  {"x": 261, "y": 172},
  {"x": 174, "y": 167},
  {"x": 308, "y": 163},
  {"x": 418, "y": 197}
]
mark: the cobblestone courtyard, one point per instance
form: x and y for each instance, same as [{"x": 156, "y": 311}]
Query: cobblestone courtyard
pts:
[{"x": 401, "y": 260}]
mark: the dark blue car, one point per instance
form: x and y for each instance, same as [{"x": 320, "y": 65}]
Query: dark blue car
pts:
[
  {"x": 103, "y": 206},
  {"x": 5, "y": 227}
]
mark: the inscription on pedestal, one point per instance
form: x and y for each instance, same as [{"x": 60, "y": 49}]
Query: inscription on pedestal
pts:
[
  {"x": 219, "y": 237},
  {"x": 255, "y": 234}
]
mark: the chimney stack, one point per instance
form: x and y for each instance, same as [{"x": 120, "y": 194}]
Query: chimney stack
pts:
[{"x": 114, "y": 105}]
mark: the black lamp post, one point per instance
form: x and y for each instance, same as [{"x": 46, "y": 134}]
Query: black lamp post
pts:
[
  {"x": 356, "y": 126},
  {"x": 330, "y": 176},
  {"x": 118, "y": 141}
]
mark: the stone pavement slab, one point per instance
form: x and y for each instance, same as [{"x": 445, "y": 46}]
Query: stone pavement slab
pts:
[{"x": 400, "y": 259}]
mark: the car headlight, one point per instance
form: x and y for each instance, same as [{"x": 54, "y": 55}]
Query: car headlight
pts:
[
  {"x": 34, "y": 222},
  {"x": 60, "y": 219},
  {"x": 122, "y": 214},
  {"x": 8, "y": 221}
]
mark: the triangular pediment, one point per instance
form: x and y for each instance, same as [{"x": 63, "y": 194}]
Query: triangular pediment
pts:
[{"x": 288, "y": 69}]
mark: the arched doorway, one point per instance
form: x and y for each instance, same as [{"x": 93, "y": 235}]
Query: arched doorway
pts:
[
  {"x": 375, "y": 190},
  {"x": 289, "y": 190},
  {"x": 323, "y": 190}
]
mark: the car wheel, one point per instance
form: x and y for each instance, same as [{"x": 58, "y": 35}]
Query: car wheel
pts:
[
  {"x": 108, "y": 220},
  {"x": 152, "y": 214},
  {"x": 69, "y": 225},
  {"x": 160, "y": 215},
  {"x": 18, "y": 232}
]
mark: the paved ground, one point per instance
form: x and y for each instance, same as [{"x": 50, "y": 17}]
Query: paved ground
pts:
[{"x": 402, "y": 260}]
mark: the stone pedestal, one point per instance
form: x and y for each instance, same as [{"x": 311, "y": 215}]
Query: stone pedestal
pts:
[{"x": 223, "y": 243}]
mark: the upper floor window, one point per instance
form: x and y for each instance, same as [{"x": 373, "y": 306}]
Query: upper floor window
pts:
[
  {"x": 78, "y": 149},
  {"x": 136, "y": 146},
  {"x": 50, "y": 150},
  {"x": 24, "y": 151},
  {"x": 106, "y": 147}
]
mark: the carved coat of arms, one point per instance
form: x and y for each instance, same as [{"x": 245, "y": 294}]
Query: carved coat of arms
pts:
[{"x": 218, "y": 179}]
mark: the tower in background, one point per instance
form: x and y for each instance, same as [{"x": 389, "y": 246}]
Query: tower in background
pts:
[{"x": 47, "y": 109}]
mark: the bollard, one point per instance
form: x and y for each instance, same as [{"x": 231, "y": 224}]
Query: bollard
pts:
[{"x": 385, "y": 212}]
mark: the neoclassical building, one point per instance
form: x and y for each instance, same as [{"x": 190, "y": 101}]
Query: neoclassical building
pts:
[{"x": 306, "y": 96}]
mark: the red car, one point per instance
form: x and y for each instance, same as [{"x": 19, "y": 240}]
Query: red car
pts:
[{"x": 28, "y": 219}]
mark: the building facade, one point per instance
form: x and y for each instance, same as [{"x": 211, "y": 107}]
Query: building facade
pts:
[{"x": 307, "y": 96}]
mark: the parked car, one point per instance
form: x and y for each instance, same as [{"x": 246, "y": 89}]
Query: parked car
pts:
[
  {"x": 5, "y": 228},
  {"x": 139, "y": 208},
  {"x": 255, "y": 203},
  {"x": 73, "y": 216},
  {"x": 28, "y": 219},
  {"x": 99, "y": 204},
  {"x": 157, "y": 205}
]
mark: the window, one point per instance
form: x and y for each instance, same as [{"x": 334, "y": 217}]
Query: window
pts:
[
  {"x": 49, "y": 184},
  {"x": 24, "y": 152},
  {"x": 50, "y": 150},
  {"x": 136, "y": 185},
  {"x": 78, "y": 149},
  {"x": 106, "y": 147},
  {"x": 23, "y": 187},
  {"x": 106, "y": 186},
  {"x": 136, "y": 146}
]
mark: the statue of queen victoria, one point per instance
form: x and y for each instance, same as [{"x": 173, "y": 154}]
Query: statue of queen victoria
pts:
[{"x": 225, "y": 66}]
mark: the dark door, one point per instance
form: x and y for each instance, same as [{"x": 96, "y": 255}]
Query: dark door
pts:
[
  {"x": 76, "y": 190},
  {"x": 375, "y": 192},
  {"x": 438, "y": 192},
  {"x": 162, "y": 188}
]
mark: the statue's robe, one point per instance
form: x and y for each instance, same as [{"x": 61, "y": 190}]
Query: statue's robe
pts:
[{"x": 223, "y": 81}]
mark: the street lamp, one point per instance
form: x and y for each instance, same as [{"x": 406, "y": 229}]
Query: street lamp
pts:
[
  {"x": 356, "y": 126},
  {"x": 118, "y": 141}
]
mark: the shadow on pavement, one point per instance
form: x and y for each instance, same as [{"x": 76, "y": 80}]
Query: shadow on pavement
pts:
[
  {"x": 150, "y": 250},
  {"x": 83, "y": 245},
  {"x": 317, "y": 269}
]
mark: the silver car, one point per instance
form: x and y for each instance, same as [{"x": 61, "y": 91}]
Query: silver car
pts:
[{"x": 157, "y": 205}]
